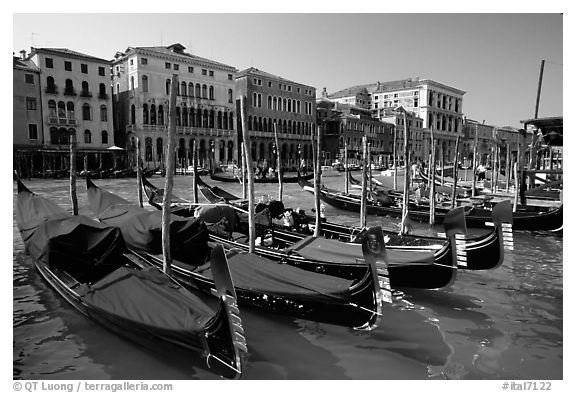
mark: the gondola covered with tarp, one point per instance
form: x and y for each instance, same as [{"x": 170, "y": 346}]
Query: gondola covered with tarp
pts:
[
  {"x": 481, "y": 252},
  {"x": 354, "y": 301},
  {"x": 424, "y": 267},
  {"x": 87, "y": 263}
]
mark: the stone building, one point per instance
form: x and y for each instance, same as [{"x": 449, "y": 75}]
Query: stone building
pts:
[
  {"x": 345, "y": 125},
  {"x": 73, "y": 99},
  {"x": 205, "y": 112},
  {"x": 274, "y": 101}
]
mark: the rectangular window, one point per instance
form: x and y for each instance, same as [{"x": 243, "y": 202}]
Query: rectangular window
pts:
[
  {"x": 229, "y": 77},
  {"x": 297, "y": 90},
  {"x": 204, "y": 72},
  {"x": 269, "y": 84},
  {"x": 31, "y": 103},
  {"x": 144, "y": 61},
  {"x": 191, "y": 69},
  {"x": 131, "y": 62},
  {"x": 68, "y": 65},
  {"x": 49, "y": 63},
  {"x": 176, "y": 67},
  {"x": 84, "y": 68},
  {"x": 101, "y": 71},
  {"x": 211, "y": 73},
  {"x": 32, "y": 131},
  {"x": 29, "y": 78},
  {"x": 167, "y": 66}
]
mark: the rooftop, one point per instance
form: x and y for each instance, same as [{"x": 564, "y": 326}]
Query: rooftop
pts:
[
  {"x": 65, "y": 52},
  {"x": 178, "y": 50}
]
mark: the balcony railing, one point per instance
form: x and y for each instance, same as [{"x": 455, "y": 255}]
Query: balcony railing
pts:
[
  {"x": 51, "y": 90},
  {"x": 69, "y": 92},
  {"x": 103, "y": 96},
  {"x": 85, "y": 93},
  {"x": 196, "y": 131}
]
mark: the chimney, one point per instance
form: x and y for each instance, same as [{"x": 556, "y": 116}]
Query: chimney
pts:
[
  {"x": 324, "y": 92},
  {"x": 23, "y": 54},
  {"x": 378, "y": 86}
]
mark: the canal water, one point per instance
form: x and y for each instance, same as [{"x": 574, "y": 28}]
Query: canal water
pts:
[{"x": 489, "y": 325}]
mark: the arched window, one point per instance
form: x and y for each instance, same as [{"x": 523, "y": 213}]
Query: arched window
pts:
[
  {"x": 159, "y": 151},
  {"x": 144, "y": 83},
  {"x": 274, "y": 103},
  {"x": 211, "y": 118},
  {"x": 61, "y": 109},
  {"x": 211, "y": 92},
  {"x": 168, "y": 84},
  {"x": 254, "y": 100},
  {"x": 103, "y": 113},
  {"x": 204, "y": 91},
  {"x": 183, "y": 91},
  {"x": 145, "y": 113},
  {"x": 153, "y": 114},
  {"x": 132, "y": 83},
  {"x": 269, "y": 102},
  {"x": 289, "y": 125},
  {"x": 198, "y": 94},
  {"x": 70, "y": 109},
  {"x": 178, "y": 118},
  {"x": 52, "y": 108},
  {"x": 249, "y": 123},
  {"x": 160, "y": 115},
  {"x": 102, "y": 90},
  {"x": 289, "y": 105},
  {"x": 87, "y": 136},
  {"x": 298, "y": 106},
  {"x": 191, "y": 89},
  {"x": 265, "y": 125},
  {"x": 69, "y": 89},
  {"x": 225, "y": 121},
  {"x": 50, "y": 86},
  {"x": 185, "y": 117},
  {"x": 86, "y": 112},
  {"x": 199, "y": 117},
  {"x": 104, "y": 137},
  {"x": 284, "y": 104},
  {"x": 230, "y": 98},
  {"x": 148, "y": 149},
  {"x": 259, "y": 124},
  {"x": 231, "y": 121},
  {"x": 205, "y": 118},
  {"x": 85, "y": 89},
  {"x": 192, "y": 116},
  {"x": 132, "y": 114},
  {"x": 219, "y": 122}
]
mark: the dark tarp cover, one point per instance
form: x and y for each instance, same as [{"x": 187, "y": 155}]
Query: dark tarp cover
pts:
[
  {"x": 77, "y": 244},
  {"x": 318, "y": 248},
  {"x": 149, "y": 297},
  {"x": 262, "y": 275},
  {"x": 142, "y": 229},
  {"x": 32, "y": 210}
]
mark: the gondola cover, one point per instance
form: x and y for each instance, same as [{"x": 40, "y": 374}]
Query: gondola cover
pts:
[
  {"x": 142, "y": 229},
  {"x": 149, "y": 297}
]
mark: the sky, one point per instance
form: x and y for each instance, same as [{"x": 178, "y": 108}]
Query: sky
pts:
[{"x": 495, "y": 58}]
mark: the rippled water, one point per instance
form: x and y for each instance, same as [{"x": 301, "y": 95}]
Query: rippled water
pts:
[{"x": 499, "y": 324}]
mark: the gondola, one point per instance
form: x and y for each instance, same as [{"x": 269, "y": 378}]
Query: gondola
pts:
[
  {"x": 481, "y": 253},
  {"x": 476, "y": 217},
  {"x": 420, "y": 267},
  {"x": 354, "y": 300},
  {"x": 87, "y": 264},
  {"x": 234, "y": 179}
]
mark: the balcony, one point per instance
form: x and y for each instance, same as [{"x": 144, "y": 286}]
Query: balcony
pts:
[
  {"x": 69, "y": 92},
  {"x": 51, "y": 90},
  {"x": 103, "y": 96},
  {"x": 52, "y": 120},
  {"x": 85, "y": 93}
]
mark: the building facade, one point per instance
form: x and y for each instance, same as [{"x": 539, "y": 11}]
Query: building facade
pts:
[
  {"x": 490, "y": 140},
  {"x": 27, "y": 107},
  {"x": 205, "y": 111},
  {"x": 272, "y": 101},
  {"x": 74, "y": 99},
  {"x": 430, "y": 105},
  {"x": 345, "y": 125}
]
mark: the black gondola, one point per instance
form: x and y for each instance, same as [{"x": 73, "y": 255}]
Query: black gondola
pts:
[
  {"x": 429, "y": 267},
  {"x": 481, "y": 252},
  {"x": 353, "y": 299},
  {"x": 476, "y": 217},
  {"x": 234, "y": 179},
  {"x": 87, "y": 263}
]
